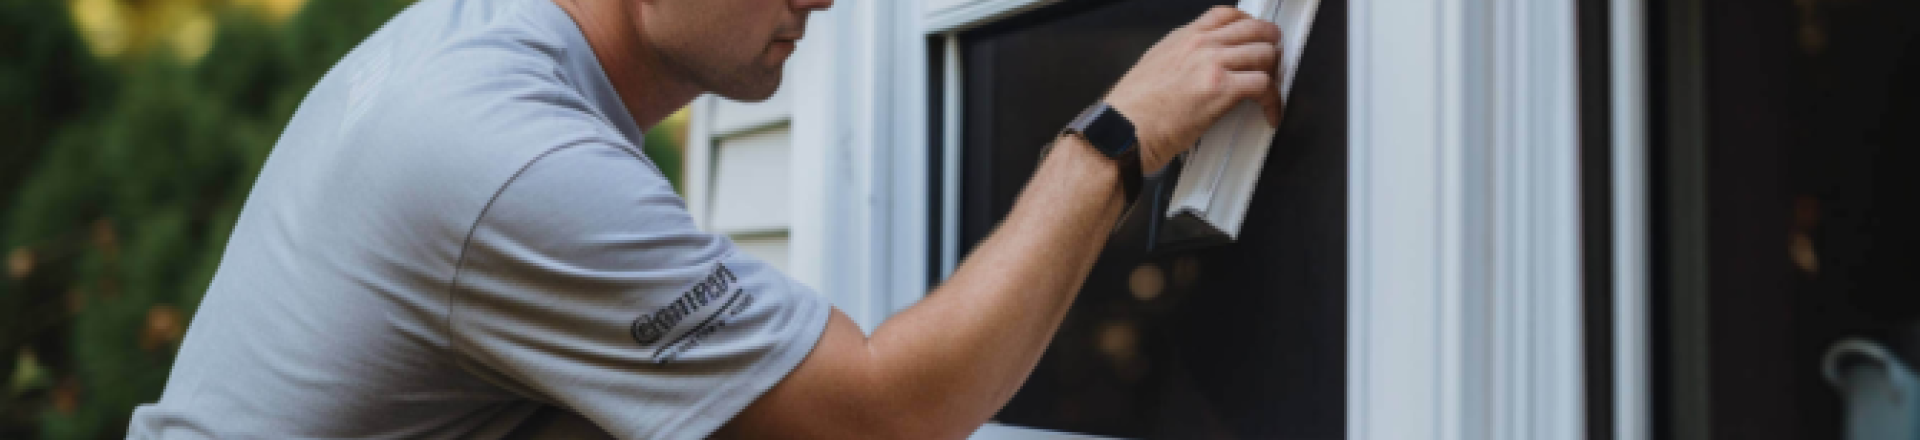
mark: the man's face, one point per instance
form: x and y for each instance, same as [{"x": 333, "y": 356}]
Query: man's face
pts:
[{"x": 734, "y": 48}]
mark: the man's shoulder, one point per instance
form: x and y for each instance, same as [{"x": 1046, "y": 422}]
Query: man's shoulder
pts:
[
  {"x": 428, "y": 121},
  {"x": 476, "y": 107},
  {"x": 450, "y": 68}
]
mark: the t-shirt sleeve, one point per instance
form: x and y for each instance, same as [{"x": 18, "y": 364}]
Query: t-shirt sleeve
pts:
[{"x": 585, "y": 284}]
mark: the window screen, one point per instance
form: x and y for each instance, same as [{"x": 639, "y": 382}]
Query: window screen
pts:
[{"x": 1240, "y": 341}]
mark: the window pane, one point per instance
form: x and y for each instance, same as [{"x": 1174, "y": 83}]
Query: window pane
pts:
[
  {"x": 1239, "y": 341},
  {"x": 1789, "y": 198}
]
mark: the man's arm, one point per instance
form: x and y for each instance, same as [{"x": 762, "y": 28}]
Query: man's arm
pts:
[{"x": 943, "y": 367}]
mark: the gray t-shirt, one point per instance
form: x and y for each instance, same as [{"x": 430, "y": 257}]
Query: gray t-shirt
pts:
[{"x": 458, "y": 231}]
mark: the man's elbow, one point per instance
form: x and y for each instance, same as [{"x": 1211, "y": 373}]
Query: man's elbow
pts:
[
  {"x": 843, "y": 390},
  {"x": 921, "y": 420},
  {"x": 895, "y": 411},
  {"x": 837, "y": 417}
]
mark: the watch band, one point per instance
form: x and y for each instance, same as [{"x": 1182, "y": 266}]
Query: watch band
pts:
[{"x": 1113, "y": 136}]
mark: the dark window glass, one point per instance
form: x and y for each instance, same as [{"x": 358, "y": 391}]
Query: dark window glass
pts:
[
  {"x": 1790, "y": 210},
  {"x": 1240, "y": 341}
]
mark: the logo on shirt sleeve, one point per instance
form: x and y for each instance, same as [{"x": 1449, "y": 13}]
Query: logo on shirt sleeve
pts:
[{"x": 658, "y": 328}]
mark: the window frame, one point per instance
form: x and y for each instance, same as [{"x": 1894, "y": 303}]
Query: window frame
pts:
[
  {"x": 1496, "y": 309},
  {"x": 1488, "y": 305}
]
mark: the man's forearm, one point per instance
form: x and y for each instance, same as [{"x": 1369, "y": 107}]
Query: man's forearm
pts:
[
  {"x": 969, "y": 345},
  {"x": 944, "y": 366}
]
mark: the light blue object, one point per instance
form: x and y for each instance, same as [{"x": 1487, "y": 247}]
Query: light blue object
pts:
[{"x": 1882, "y": 393}]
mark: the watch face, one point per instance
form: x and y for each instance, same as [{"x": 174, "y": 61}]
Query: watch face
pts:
[{"x": 1110, "y": 132}]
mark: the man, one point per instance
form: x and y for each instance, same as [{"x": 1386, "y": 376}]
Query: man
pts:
[{"x": 457, "y": 233}]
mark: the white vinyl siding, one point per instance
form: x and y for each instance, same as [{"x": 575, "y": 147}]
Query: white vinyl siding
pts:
[
  {"x": 749, "y": 180},
  {"x": 739, "y": 168},
  {"x": 772, "y": 248}
]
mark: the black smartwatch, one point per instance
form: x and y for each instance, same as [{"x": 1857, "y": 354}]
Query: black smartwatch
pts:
[{"x": 1112, "y": 134}]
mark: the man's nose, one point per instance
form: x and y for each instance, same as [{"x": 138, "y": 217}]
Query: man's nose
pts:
[{"x": 812, "y": 4}]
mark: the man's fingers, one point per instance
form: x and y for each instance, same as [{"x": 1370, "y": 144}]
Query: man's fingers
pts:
[
  {"x": 1271, "y": 102},
  {"x": 1219, "y": 16},
  {"x": 1250, "y": 56},
  {"x": 1248, "y": 85},
  {"x": 1245, "y": 31}
]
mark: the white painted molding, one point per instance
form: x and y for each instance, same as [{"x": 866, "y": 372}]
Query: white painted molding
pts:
[
  {"x": 821, "y": 187},
  {"x": 1464, "y": 252},
  {"x": 861, "y": 160},
  {"x": 903, "y": 127},
  {"x": 1403, "y": 373},
  {"x": 1631, "y": 322},
  {"x": 943, "y": 16},
  {"x": 1538, "y": 333}
]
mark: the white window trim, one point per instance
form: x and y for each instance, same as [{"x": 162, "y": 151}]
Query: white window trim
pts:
[
  {"x": 860, "y": 232},
  {"x": 945, "y": 16},
  {"x": 1631, "y": 320},
  {"x": 1464, "y": 263}
]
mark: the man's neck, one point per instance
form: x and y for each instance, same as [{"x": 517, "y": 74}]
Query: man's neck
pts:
[{"x": 649, "y": 90}]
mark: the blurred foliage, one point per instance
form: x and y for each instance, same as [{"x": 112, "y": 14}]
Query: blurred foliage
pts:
[
  {"x": 121, "y": 176},
  {"x": 663, "y": 147}
]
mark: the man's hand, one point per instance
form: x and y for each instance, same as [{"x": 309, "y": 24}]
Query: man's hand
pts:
[{"x": 1193, "y": 76}]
